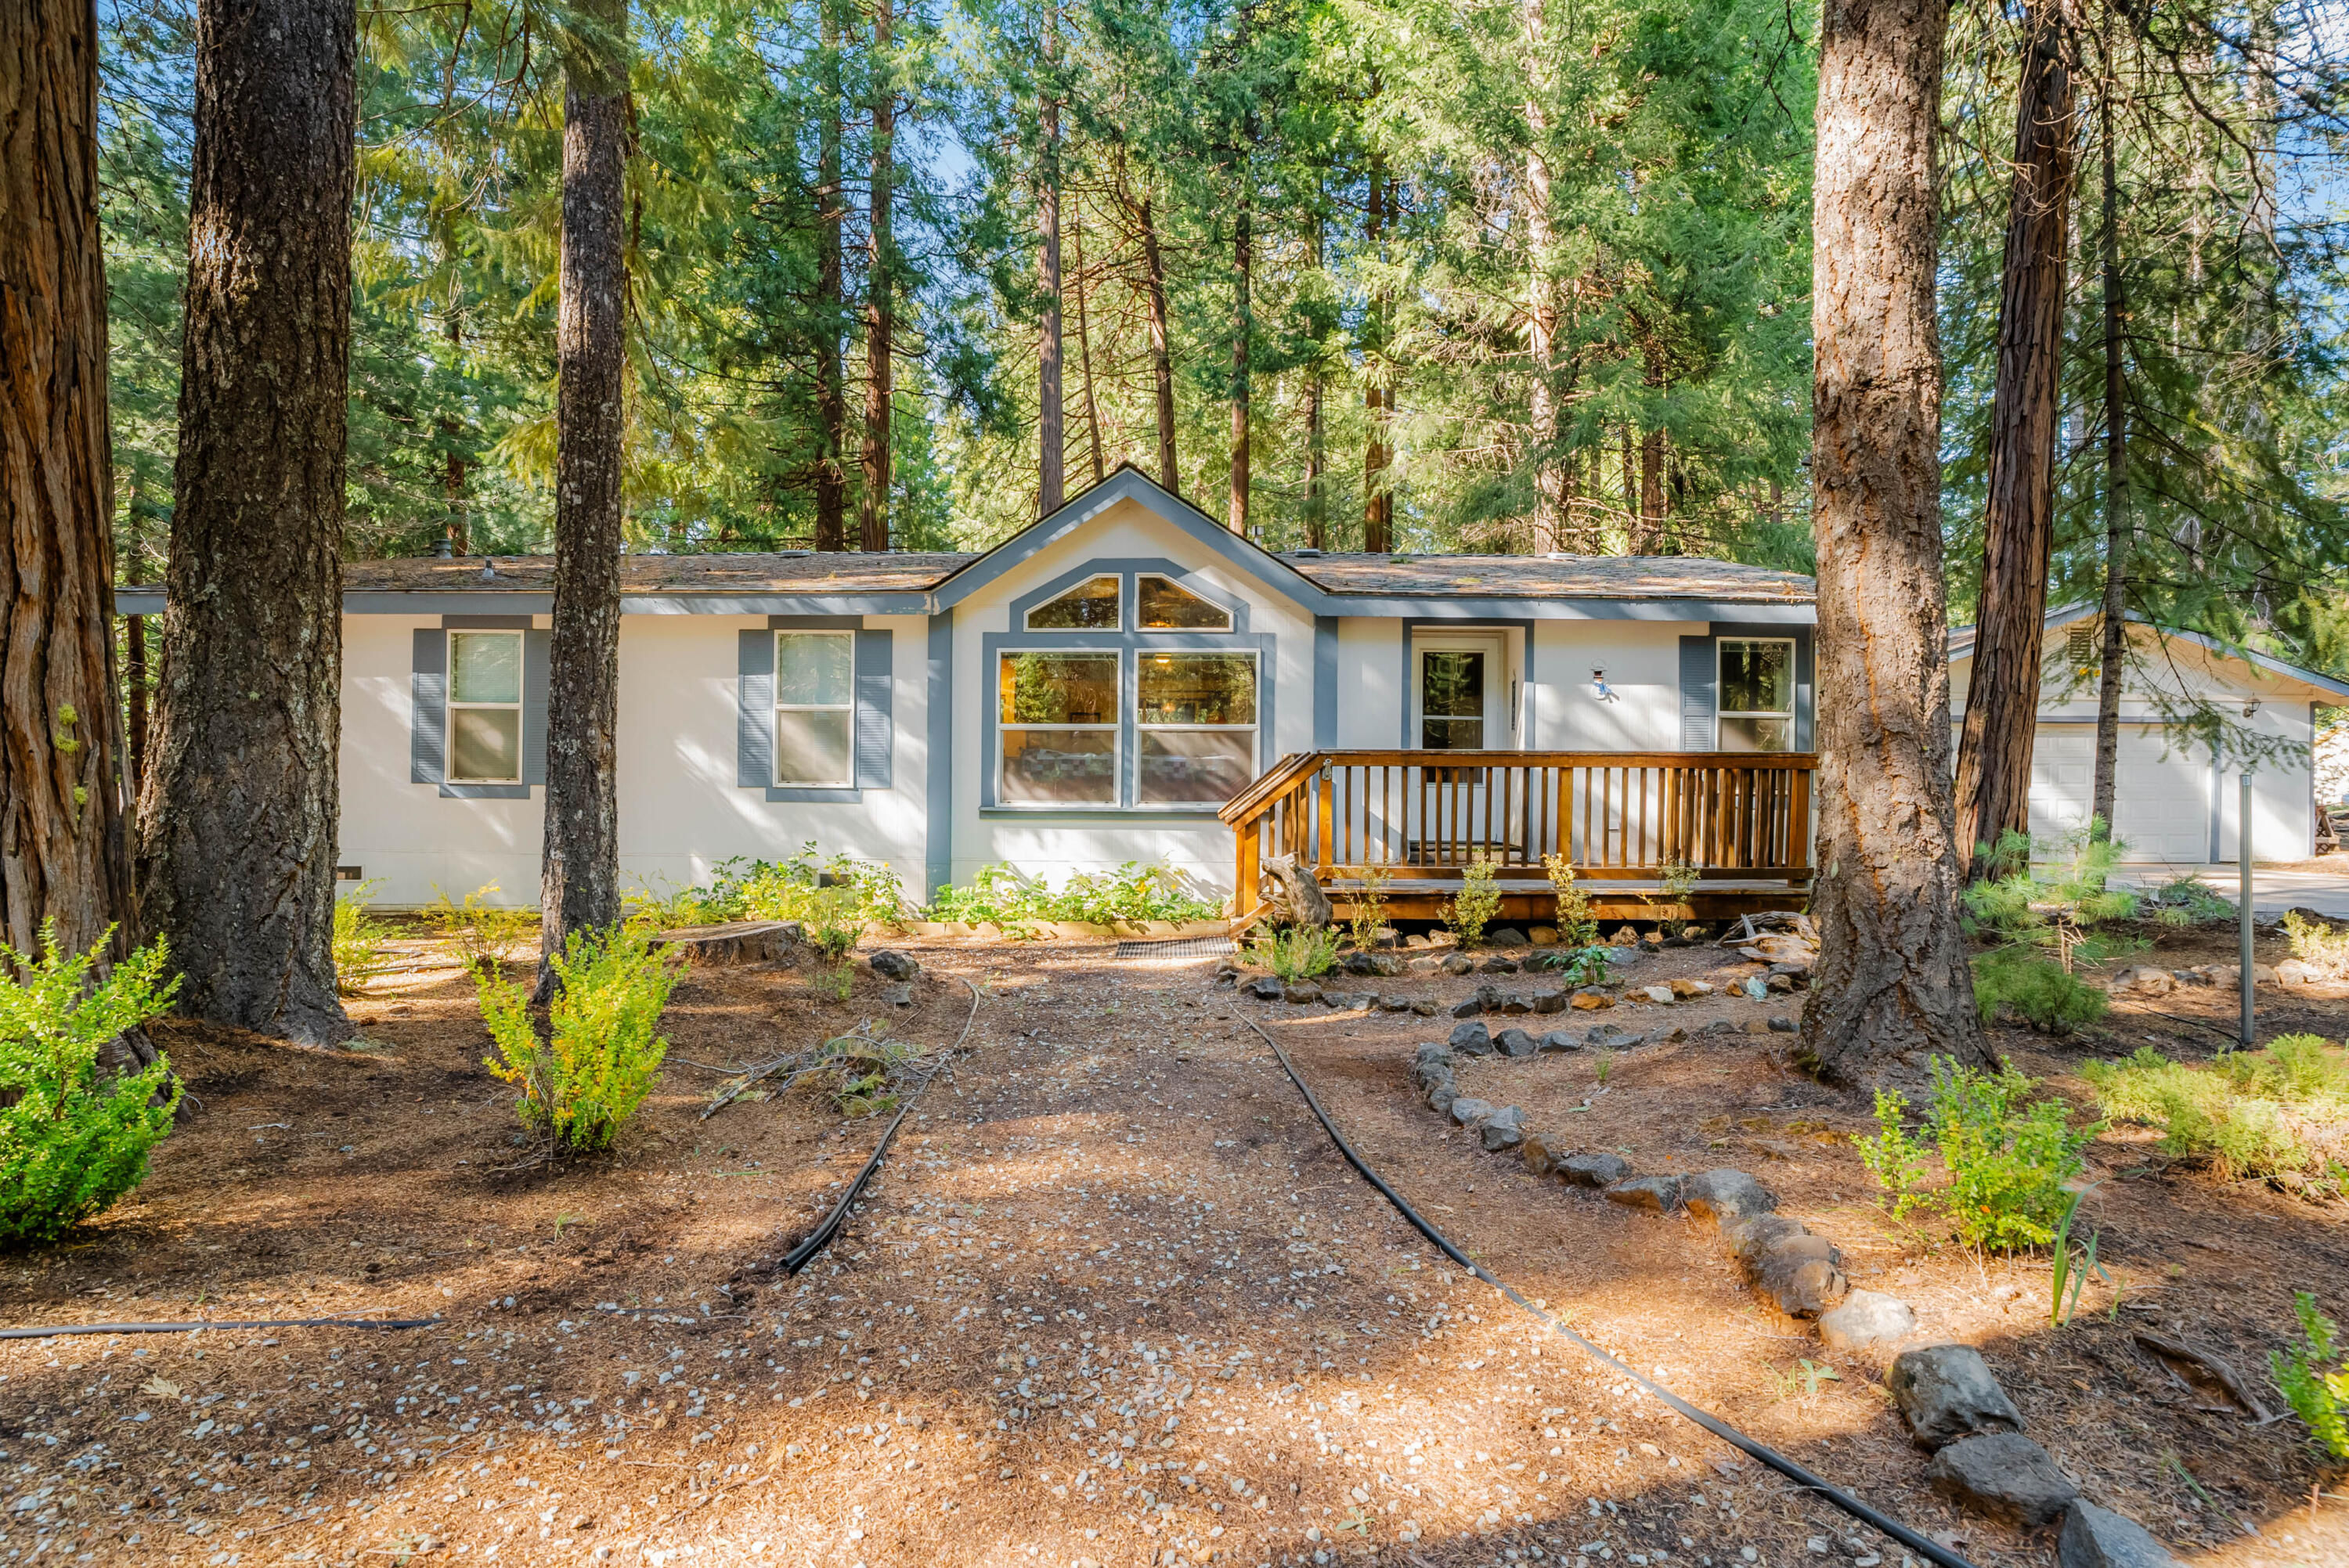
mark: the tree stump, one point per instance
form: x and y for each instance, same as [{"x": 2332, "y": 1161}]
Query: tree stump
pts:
[{"x": 1301, "y": 895}]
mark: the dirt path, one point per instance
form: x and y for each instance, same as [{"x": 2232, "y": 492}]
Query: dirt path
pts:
[{"x": 1114, "y": 1300}]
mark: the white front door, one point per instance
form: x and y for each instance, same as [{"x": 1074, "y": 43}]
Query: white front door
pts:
[{"x": 1460, "y": 692}]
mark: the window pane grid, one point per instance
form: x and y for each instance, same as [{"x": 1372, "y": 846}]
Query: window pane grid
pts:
[
  {"x": 815, "y": 690},
  {"x": 1196, "y": 718},
  {"x": 1756, "y": 685},
  {"x": 484, "y": 712}
]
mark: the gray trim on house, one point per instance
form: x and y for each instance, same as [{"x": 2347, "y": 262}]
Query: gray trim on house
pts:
[
  {"x": 428, "y": 714},
  {"x": 1325, "y": 683},
  {"x": 939, "y": 774},
  {"x": 872, "y": 729},
  {"x": 1805, "y": 671},
  {"x": 1460, "y": 623}
]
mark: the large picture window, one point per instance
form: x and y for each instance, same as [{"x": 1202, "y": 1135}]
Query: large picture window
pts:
[
  {"x": 1757, "y": 693},
  {"x": 485, "y": 707},
  {"x": 1194, "y": 719},
  {"x": 1059, "y": 723},
  {"x": 815, "y": 708}
]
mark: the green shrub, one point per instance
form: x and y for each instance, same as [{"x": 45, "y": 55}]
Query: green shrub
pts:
[
  {"x": 673, "y": 908},
  {"x": 1299, "y": 953},
  {"x": 581, "y": 1085},
  {"x": 2183, "y": 902},
  {"x": 2284, "y": 1109},
  {"x": 360, "y": 940},
  {"x": 1576, "y": 927},
  {"x": 2318, "y": 943},
  {"x": 70, "y": 1144},
  {"x": 2318, "y": 1395},
  {"x": 1366, "y": 908},
  {"x": 1477, "y": 903},
  {"x": 477, "y": 931},
  {"x": 1001, "y": 894},
  {"x": 2036, "y": 990},
  {"x": 2007, "y": 1160},
  {"x": 802, "y": 888}
]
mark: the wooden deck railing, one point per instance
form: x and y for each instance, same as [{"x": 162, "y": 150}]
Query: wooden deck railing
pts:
[{"x": 1621, "y": 817}]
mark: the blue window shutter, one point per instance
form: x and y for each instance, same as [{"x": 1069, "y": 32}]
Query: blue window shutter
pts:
[
  {"x": 536, "y": 656},
  {"x": 1698, "y": 677},
  {"x": 875, "y": 704},
  {"x": 427, "y": 726},
  {"x": 754, "y": 733}
]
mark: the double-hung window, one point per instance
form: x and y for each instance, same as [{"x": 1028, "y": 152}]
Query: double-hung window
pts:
[
  {"x": 485, "y": 707},
  {"x": 1757, "y": 693},
  {"x": 815, "y": 710},
  {"x": 1059, "y": 729},
  {"x": 1195, "y": 722}
]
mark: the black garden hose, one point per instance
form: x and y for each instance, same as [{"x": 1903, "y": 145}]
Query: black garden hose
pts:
[
  {"x": 201, "y": 1325},
  {"x": 1932, "y": 1550}
]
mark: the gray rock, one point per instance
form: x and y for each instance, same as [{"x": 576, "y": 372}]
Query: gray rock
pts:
[
  {"x": 1467, "y": 1007},
  {"x": 1468, "y": 1110},
  {"x": 1385, "y": 965},
  {"x": 1778, "y": 984},
  {"x": 1427, "y": 1074},
  {"x": 1424, "y": 1007},
  {"x": 1724, "y": 1197},
  {"x": 1800, "y": 1275},
  {"x": 2096, "y": 1537},
  {"x": 1423, "y": 964},
  {"x": 1458, "y": 964},
  {"x": 899, "y": 994},
  {"x": 2004, "y": 1475},
  {"x": 1301, "y": 991},
  {"x": 1512, "y": 1003},
  {"x": 1666, "y": 1037},
  {"x": 1432, "y": 1051},
  {"x": 1718, "y": 1027},
  {"x": 1547, "y": 1002},
  {"x": 1659, "y": 1193},
  {"x": 1749, "y": 1239},
  {"x": 1497, "y": 965},
  {"x": 1264, "y": 988},
  {"x": 1866, "y": 1318},
  {"x": 1507, "y": 936},
  {"x": 1472, "y": 1037},
  {"x": 1441, "y": 1098},
  {"x": 1515, "y": 1043},
  {"x": 1394, "y": 1002},
  {"x": 1357, "y": 962},
  {"x": 1781, "y": 1025},
  {"x": 893, "y": 966},
  {"x": 1561, "y": 1040},
  {"x": 1504, "y": 1128},
  {"x": 1593, "y": 1170},
  {"x": 1946, "y": 1392},
  {"x": 1753, "y": 987}
]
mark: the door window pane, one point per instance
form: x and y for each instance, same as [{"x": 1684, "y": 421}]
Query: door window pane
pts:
[
  {"x": 1058, "y": 688},
  {"x": 812, "y": 747},
  {"x": 1452, "y": 699},
  {"x": 486, "y": 666},
  {"x": 1758, "y": 677},
  {"x": 485, "y": 744},
  {"x": 1197, "y": 689},
  {"x": 1091, "y": 606},
  {"x": 1162, "y": 605},
  {"x": 1186, "y": 766},
  {"x": 1059, "y": 767},
  {"x": 1742, "y": 732}
]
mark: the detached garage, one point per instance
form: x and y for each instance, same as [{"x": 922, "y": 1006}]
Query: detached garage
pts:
[{"x": 2174, "y": 804}]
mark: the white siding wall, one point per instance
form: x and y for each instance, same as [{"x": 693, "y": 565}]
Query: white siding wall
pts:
[
  {"x": 681, "y": 811},
  {"x": 1641, "y": 659}
]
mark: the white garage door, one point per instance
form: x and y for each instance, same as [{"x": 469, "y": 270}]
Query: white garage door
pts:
[{"x": 2161, "y": 801}]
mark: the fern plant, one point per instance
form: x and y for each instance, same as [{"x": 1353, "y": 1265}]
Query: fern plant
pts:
[{"x": 72, "y": 1140}]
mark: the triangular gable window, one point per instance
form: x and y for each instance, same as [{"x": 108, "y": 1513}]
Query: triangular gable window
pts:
[
  {"x": 1090, "y": 606},
  {"x": 1164, "y": 606}
]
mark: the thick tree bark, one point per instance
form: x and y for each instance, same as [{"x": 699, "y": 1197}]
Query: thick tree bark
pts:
[
  {"x": 1378, "y": 503},
  {"x": 138, "y": 685},
  {"x": 1235, "y": 517},
  {"x": 2112, "y": 663},
  {"x": 1892, "y": 985},
  {"x": 1541, "y": 302},
  {"x": 1052, "y": 434},
  {"x": 579, "y": 872},
  {"x": 1993, "y": 790},
  {"x": 832, "y": 216},
  {"x": 237, "y": 821},
  {"x": 880, "y": 290},
  {"x": 64, "y": 851},
  {"x": 1084, "y": 344},
  {"x": 1162, "y": 357}
]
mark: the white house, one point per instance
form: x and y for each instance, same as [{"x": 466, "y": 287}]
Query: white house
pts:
[
  {"x": 1091, "y": 691},
  {"x": 1086, "y": 694},
  {"x": 2174, "y": 802}
]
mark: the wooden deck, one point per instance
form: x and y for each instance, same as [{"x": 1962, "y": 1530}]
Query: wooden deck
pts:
[{"x": 1730, "y": 829}]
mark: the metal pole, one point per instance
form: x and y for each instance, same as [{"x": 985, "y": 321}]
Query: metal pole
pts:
[{"x": 2243, "y": 865}]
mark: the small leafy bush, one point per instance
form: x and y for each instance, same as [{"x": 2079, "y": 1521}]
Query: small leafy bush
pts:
[
  {"x": 2187, "y": 901},
  {"x": 671, "y": 908},
  {"x": 1477, "y": 903},
  {"x": 802, "y": 887},
  {"x": 2007, "y": 1160},
  {"x": 2036, "y": 990},
  {"x": 2061, "y": 916},
  {"x": 2318, "y": 1394},
  {"x": 360, "y": 940},
  {"x": 1299, "y": 953},
  {"x": 2282, "y": 1109},
  {"x": 1576, "y": 925},
  {"x": 2318, "y": 943},
  {"x": 1367, "y": 909},
  {"x": 70, "y": 1144},
  {"x": 581, "y": 1085},
  {"x": 1001, "y": 894},
  {"x": 477, "y": 931}
]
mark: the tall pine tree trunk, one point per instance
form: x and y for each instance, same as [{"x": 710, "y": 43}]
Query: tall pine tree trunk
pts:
[
  {"x": 1084, "y": 344},
  {"x": 880, "y": 289},
  {"x": 2113, "y": 660},
  {"x": 1993, "y": 790},
  {"x": 832, "y": 216},
  {"x": 579, "y": 874},
  {"x": 1378, "y": 503},
  {"x": 1316, "y": 507},
  {"x": 1153, "y": 294},
  {"x": 1235, "y": 516},
  {"x": 237, "y": 829},
  {"x": 1541, "y": 303},
  {"x": 1892, "y": 985},
  {"x": 1051, "y": 436},
  {"x": 64, "y": 851}
]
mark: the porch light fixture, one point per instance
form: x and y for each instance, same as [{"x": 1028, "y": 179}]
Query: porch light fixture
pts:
[
  {"x": 2250, "y": 707},
  {"x": 1599, "y": 685}
]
